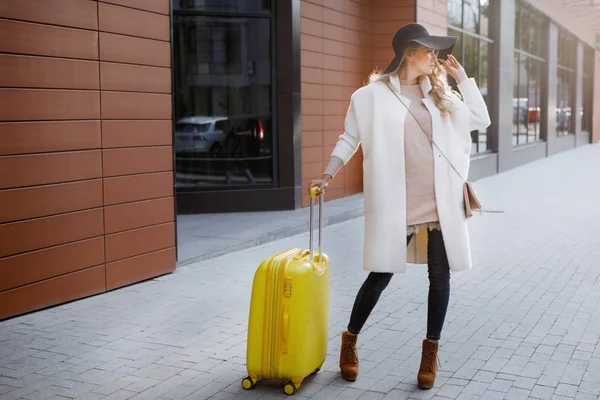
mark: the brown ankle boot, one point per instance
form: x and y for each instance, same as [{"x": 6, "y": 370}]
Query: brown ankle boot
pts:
[
  {"x": 348, "y": 357},
  {"x": 428, "y": 368}
]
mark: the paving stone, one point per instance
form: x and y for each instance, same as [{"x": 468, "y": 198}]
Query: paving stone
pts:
[
  {"x": 477, "y": 388},
  {"x": 564, "y": 389},
  {"x": 585, "y": 396},
  {"x": 590, "y": 387},
  {"x": 524, "y": 383},
  {"x": 371, "y": 396},
  {"x": 491, "y": 395},
  {"x": 451, "y": 391},
  {"x": 500, "y": 385},
  {"x": 517, "y": 394},
  {"x": 532, "y": 370},
  {"x": 542, "y": 392}
]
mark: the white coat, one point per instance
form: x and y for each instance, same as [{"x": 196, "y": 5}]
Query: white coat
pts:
[{"x": 375, "y": 120}]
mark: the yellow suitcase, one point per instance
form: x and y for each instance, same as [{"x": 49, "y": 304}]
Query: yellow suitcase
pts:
[{"x": 289, "y": 314}]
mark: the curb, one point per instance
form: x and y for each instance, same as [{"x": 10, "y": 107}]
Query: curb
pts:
[{"x": 271, "y": 236}]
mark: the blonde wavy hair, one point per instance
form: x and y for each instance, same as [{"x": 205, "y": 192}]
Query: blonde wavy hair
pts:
[{"x": 440, "y": 90}]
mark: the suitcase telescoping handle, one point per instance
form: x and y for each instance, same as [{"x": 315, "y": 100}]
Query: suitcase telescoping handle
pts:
[{"x": 314, "y": 192}]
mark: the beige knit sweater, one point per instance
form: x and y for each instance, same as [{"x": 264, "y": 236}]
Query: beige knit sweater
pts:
[{"x": 418, "y": 154}]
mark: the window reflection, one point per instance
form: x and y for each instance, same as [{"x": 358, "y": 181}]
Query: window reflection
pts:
[
  {"x": 471, "y": 56},
  {"x": 567, "y": 46},
  {"x": 527, "y": 79},
  {"x": 471, "y": 15},
  {"x": 484, "y": 67},
  {"x": 529, "y": 101},
  {"x": 484, "y": 17},
  {"x": 518, "y": 26},
  {"x": 535, "y": 96},
  {"x": 468, "y": 20},
  {"x": 455, "y": 13},
  {"x": 223, "y": 124}
]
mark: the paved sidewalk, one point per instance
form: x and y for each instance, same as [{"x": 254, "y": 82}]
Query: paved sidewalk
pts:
[{"x": 522, "y": 324}]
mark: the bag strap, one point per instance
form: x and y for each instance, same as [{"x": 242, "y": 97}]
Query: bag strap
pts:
[
  {"x": 425, "y": 132},
  {"x": 433, "y": 142}
]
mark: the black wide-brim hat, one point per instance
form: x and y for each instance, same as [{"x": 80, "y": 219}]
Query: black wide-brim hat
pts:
[{"x": 417, "y": 33}]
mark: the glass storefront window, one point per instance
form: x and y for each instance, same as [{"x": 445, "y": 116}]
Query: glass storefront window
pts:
[
  {"x": 484, "y": 18},
  {"x": 526, "y": 29},
  {"x": 484, "y": 68},
  {"x": 563, "y": 104},
  {"x": 535, "y": 96},
  {"x": 534, "y": 35},
  {"x": 517, "y": 103},
  {"x": 528, "y": 72},
  {"x": 468, "y": 20},
  {"x": 223, "y": 5},
  {"x": 518, "y": 26},
  {"x": 471, "y": 15},
  {"x": 470, "y": 59},
  {"x": 458, "y": 51},
  {"x": 567, "y": 46},
  {"x": 527, "y": 100},
  {"x": 223, "y": 99},
  {"x": 455, "y": 13}
]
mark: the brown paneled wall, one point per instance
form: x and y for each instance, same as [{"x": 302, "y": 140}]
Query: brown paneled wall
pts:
[
  {"x": 86, "y": 184},
  {"x": 388, "y": 17},
  {"x": 342, "y": 41},
  {"x": 434, "y": 15}
]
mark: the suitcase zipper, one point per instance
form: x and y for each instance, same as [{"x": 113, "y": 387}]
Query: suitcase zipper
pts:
[
  {"x": 274, "y": 362},
  {"x": 274, "y": 294}
]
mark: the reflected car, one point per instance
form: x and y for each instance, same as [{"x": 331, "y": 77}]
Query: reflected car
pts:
[
  {"x": 245, "y": 137},
  {"x": 563, "y": 118},
  {"x": 523, "y": 113},
  {"x": 534, "y": 114},
  {"x": 201, "y": 135}
]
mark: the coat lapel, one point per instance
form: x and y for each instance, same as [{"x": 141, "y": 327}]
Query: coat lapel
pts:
[
  {"x": 426, "y": 88},
  {"x": 395, "y": 84},
  {"x": 437, "y": 132}
]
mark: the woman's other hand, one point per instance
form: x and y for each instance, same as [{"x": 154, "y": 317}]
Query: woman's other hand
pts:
[
  {"x": 454, "y": 69},
  {"x": 321, "y": 183}
]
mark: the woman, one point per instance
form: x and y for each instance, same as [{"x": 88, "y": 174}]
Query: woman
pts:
[{"x": 415, "y": 136}]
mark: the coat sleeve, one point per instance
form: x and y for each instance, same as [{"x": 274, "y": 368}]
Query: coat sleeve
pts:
[
  {"x": 349, "y": 141},
  {"x": 479, "y": 116}
]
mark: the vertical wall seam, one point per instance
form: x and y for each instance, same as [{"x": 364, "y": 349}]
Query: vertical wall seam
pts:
[
  {"x": 173, "y": 155},
  {"x": 101, "y": 148}
]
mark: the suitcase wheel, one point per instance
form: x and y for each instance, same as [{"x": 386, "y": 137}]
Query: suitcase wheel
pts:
[
  {"x": 248, "y": 383},
  {"x": 289, "y": 388}
]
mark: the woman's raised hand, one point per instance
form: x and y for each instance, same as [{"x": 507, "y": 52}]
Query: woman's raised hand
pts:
[{"x": 454, "y": 69}]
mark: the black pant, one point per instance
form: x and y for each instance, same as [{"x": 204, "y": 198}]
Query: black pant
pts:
[{"x": 439, "y": 290}]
